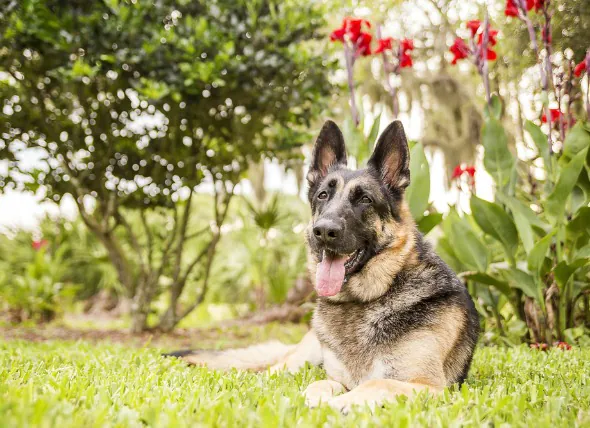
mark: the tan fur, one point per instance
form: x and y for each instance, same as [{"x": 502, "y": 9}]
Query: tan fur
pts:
[
  {"x": 321, "y": 391},
  {"x": 308, "y": 350},
  {"x": 376, "y": 392},
  {"x": 256, "y": 357}
]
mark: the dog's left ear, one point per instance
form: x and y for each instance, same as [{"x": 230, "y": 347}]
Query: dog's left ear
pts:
[{"x": 391, "y": 157}]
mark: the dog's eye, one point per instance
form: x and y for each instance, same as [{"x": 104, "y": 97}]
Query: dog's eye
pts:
[
  {"x": 366, "y": 200},
  {"x": 323, "y": 195}
]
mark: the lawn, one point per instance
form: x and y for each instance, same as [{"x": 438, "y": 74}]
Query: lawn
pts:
[{"x": 80, "y": 383}]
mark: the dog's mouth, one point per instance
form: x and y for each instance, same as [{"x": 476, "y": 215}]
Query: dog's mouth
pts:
[{"x": 334, "y": 269}]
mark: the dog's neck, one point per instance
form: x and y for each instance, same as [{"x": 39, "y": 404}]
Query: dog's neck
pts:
[{"x": 398, "y": 242}]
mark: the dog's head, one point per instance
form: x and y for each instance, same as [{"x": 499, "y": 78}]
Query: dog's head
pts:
[{"x": 356, "y": 214}]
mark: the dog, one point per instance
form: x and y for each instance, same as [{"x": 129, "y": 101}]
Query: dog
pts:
[{"x": 391, "y": 317}]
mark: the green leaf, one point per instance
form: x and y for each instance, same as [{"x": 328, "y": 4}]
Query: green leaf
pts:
[
  {"x": 580, "y": 224},
  {"x": 355, "y": 141},
  {"x": 373, "y": 134},
  {"x": 537, "y": 254},
  {"x": 498, "y": 160},
  {"x": 419, "y": 189},
  {"x": 524, "y": 218},
  {"x": 429, "y": 222},
  {"x": 563, "y": 271},
  {"x": 578, "y": 139},
  {"x": 523, "y": 281},
  {"x": 467, "y": 245},
  {"x": 495, "y": 110},
  {"x": 583, "y": 253},
  {"x": 484, "y": 278},
  {"x": 540, "y": 140},
  {"x": 555, "y": 205},
  {"x": 494, "y": 221},
  {"x": 447, "y": 253}
]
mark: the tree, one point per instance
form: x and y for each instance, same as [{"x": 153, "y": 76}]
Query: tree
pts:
[{"x": 130, "y": 105}]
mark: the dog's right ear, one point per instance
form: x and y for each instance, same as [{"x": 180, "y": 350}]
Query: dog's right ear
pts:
[{"x": 329, "y": 150}]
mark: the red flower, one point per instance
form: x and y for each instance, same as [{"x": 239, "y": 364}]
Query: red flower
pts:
[
  {"x": 338, "y": 34},
  {"x": 492, "y": 34},
  {"x": 580, "y": 68},
  {"x": 511, "y": 8},
  {"x": 351, "y": 27},
  {"x": 37, "y": 245},
  {"x": 363, "y": 44},
  {"x": 491, "y": 56},
  {"x": 405, "y": 60},
  {"x": 470, "y": 170},
  {"x": 538, "y": 5},
  {"x": 563, "y": 345},
  {"x": 539, "y": 346},
  {"x": 383, "y": 45},
  {"x": 555, "y": 115},
  {"x": 530, "y": 4},
  {"x": 407, "y": 45},
  {"x": 459, "y": 49},
  {"x": 474, "y": 26},
  {"x": 457, "y": 172}
]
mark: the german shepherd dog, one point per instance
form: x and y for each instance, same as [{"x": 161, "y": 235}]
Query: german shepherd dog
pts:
[{"x": 391, "y": 316}]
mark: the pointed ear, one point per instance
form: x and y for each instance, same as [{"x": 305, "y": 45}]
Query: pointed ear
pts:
[
  {"x": 329, "y": 149},
  {"x": 391, "y": 157}
]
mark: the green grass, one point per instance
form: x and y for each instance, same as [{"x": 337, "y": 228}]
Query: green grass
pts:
[{"x": 79, "y": 384}]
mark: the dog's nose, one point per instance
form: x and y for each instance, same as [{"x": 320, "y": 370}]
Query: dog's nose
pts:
[{"x": 327, "y": 231}]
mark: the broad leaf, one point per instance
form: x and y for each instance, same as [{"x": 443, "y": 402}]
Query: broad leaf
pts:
[
  {"x": 467, "y": 245},
  {"x": 563, "y": 271},
  {"x": 578, "y": 139},
  {"x": 498, "y": 160},
  {"x": 419, "y": 189},
  {"x": 537, "y": 254},
  {"x": 540, "y": 140},
  {"x": 429, "y": 222},
  {"x": 447, "y": 253},
  {"x": 484, "y": 278},
  {"x": 494, "y": 221},
  {"x": 523, "y": 281},
  {"x": 374, "y": 133},
  {"x": 495, "y": 110},
  {"x": 555, "y": 205},
  {"x": 580, "y": 223},
  {"x": 521, "y": 214}
]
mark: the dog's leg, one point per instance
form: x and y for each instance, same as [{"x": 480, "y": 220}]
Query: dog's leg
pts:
[
  {"x": 308, "y": 350},
  {"x": 321, "y": 391},
  {"x": 375, "y": 392}
]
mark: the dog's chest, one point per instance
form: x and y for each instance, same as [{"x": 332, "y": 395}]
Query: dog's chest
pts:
[{"x": 351, "y": 349}]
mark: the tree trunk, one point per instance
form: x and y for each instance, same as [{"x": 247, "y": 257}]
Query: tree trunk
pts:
[
  {"x": 140, "y": 306},
  {"x": 118, "y": 260},
  {"x": 256, "y": 175}
]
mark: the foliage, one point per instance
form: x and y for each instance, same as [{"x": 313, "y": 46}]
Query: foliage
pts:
[
  {"x": 34, "y": 284},
  {"x": 41, "y": 384},
  {"x": 130, "y": 105},
  {"x": 542, "y": 271}
]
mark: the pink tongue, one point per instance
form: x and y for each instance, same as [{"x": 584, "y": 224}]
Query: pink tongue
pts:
[{"x": 330, "y": 275}]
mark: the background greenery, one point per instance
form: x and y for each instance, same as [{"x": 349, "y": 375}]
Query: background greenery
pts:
[{"x": 154, "y": 118}]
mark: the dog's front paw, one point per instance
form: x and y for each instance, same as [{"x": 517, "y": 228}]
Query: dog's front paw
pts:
[
  {"x": 321, "y": 391},
  {"x": 345, "y": 403}
]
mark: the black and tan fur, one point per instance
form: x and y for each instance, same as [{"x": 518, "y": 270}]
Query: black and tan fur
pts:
[{"x": 402, "y": 321}]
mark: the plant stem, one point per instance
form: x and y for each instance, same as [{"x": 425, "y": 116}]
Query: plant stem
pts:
[
  {"x": 484, "y": 58},
  {"x": 546, "y": 37},
  {"x": 390, "y": 88},
  {"x": 348, "y": 55}
]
